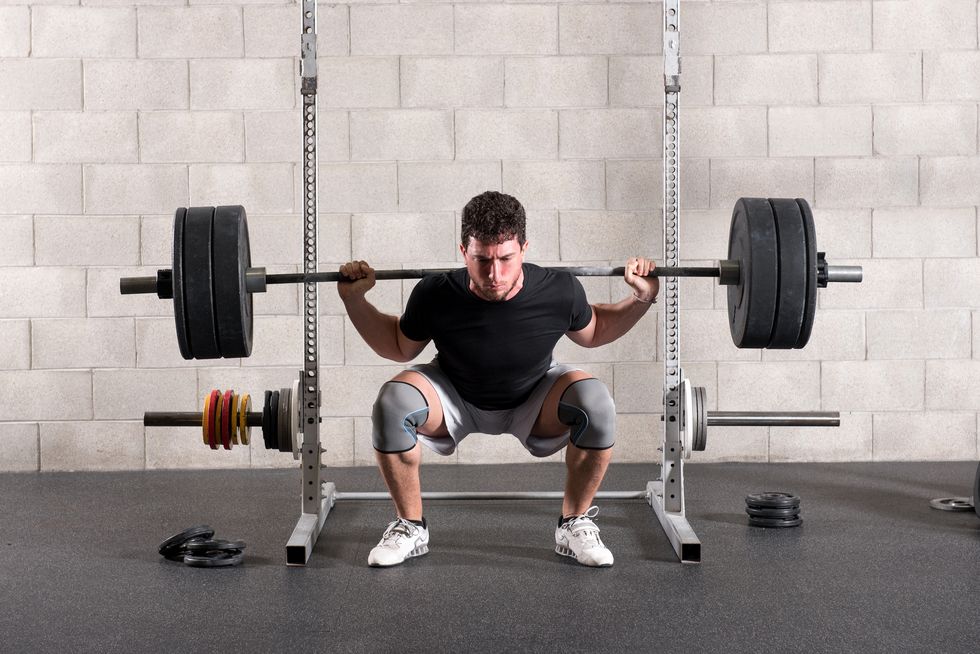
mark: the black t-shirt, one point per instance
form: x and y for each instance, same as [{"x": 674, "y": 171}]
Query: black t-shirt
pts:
[{"x": 496, "y": 352}]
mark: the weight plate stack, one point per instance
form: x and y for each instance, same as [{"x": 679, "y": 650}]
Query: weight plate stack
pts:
[
  {"x": 752, "y": 302},
  {"x": 810, "y": 308},
  {"x": 793, "y": 278},
  {"x": 172, "y": 547},
  {"x": 198, "y": 283},
  {"x": 773, "y": 509},
  {"x": 233, "y": 302}
]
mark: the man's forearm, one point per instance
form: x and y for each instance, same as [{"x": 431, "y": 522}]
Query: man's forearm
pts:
[
  {"x": 614, "y": 320},
  {"x": 379, "y": 330}
]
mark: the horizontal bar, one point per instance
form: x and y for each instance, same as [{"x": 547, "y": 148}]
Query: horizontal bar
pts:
[
  {"x": 190, "y": 419},
  {"x": 137, "y": 285},
  {"x": 846, "y": 274},
  {"x": 492, "y": 495},
  {"x": 774, "y": 418}
]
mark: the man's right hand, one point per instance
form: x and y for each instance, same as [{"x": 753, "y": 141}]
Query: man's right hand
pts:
[{"x": 361, "y": 277}]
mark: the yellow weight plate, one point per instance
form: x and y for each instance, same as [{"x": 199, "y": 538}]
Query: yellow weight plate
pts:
[
  {"x": 204, "y": 417},
  {"x": 234, "y": 418},
  {"x": 243, "y": 408}
]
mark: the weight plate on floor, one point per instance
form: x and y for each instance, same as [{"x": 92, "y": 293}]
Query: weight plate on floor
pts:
[
  {"x": 701, "y": 424},
  {"x": 267, "y": 420},
  {"x": 775, "y": 522},
  {"x": 952, "y": 504},
  {"x": 244, "y": 430},
  {"x": 177, "y": 279},
  {"x": 752, "y": 302},
  {"x": 200, "y": 545},
  {"x": 772, "y": 500},
  {"x": 810, "y": 308},
  {"x": 217, "y": 560},
  {"x": 793, "y": 277},
  {"x": 226, "y": 420},
  {"x": 212, "y": 415},
  {"x": 199, "y": 283},
  {"x": 282, "y": 428},
  {"x": 792, "y": 511},
  {"x": 177, "y": 541},
  {"x": 232, "y": 301}
]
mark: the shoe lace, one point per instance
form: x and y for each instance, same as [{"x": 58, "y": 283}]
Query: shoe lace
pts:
[
  {"x": 397, "y": 530},
  {"x": 584, "y": 528}
]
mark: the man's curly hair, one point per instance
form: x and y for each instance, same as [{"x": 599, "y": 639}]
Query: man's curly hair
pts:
[{"x": 493, "y": 217}]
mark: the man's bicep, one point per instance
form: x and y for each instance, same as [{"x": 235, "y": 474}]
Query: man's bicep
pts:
[
  {"x": 584, "y": 336},
  {"x": 409, "y": 348}
]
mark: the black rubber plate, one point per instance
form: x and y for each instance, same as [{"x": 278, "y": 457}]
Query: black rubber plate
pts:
[
  {"x": 752, "y": 303},
  {"x": 267, "y": 420},
  {"x": 791, "y": 512},
  {"x": 198, "y": 283},
  {"x": 793, "y": 277},
  {"x": 976, "y": 492},
  {"x": 199, "y": 546},
  {"x": 772, "y": 499},
  {"x": 274, "y": 422},
  {"x": 810, "y": 309},
  {"x": 771, "y": 522},
  {"x": 176, "y": 542},
  {"x": 233, "y": 302},
  {"x": 180, "y": 313},
  {"x": 217, "y": 560},
  {"x": 285, "y": 442}
]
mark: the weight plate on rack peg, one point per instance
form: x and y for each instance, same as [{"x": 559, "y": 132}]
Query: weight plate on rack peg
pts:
[
  {"x": 701, "y": 423},
  {"x": 244, "y": 429}
]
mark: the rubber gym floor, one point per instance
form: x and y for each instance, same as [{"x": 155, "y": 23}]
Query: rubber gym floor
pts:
[{"x": 872, "y": 569}]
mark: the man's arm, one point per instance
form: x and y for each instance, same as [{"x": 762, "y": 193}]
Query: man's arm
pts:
[
  {"x": 379, "y": 330},
  {"x": 610, "y": 321}
]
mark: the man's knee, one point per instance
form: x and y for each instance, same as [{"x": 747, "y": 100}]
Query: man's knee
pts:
[
  {"x": 587, "y": 407},
  {"x": 398, "y": 413}
]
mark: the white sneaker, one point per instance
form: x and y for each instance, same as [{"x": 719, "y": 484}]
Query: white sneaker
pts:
[
  {"x": 579, "y": 539},
  {"x": 401, "y": 540}
]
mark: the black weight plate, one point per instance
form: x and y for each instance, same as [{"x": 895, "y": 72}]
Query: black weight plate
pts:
[
  {"x": 773, "y": 522},
  {"x": 199, "y": 283},
  {"x": 267, "y": 420},
  {"x": 752, "y": 302},
  {"x": 216, "y": 560},
  {"x": 772, "y": 500},
  {"x": 976, "y": 492},
  {"x": 701, "y": 415},
  {"x": 232, "y": 301},
  {"x": 810, "y": 308},
  {"x": 284, "y": 439},
  {"x": 177, "y": 278},
  {"x": 198, "y": 546},
  {"x": 274, "y": 422},
  {"x": 177, "y": 541},
  {"x": 791, "y": 512},
  {"x": 793, "y": 278}
]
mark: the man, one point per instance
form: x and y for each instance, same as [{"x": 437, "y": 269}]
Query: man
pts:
[{"x": 495, "y": 324}]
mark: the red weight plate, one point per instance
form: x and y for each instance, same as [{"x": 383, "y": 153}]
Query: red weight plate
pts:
[{"x": 226, "y": 420}]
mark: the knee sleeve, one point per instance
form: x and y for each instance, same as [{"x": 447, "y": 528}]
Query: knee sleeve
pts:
[
  {"x": 587, "y": 407},
  {"x": 398, "y": 413}
]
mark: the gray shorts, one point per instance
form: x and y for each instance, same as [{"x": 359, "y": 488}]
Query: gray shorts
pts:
[{"x": 462, "y": 418}]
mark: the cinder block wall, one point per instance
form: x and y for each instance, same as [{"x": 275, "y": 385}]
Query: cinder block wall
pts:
[{"x": 112, "y": 114}]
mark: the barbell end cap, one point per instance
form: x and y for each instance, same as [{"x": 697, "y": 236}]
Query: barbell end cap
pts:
[
  {"x": 139, "y": 285},
  {"x": 729, "y": 272},
  {"x": 255, "y": 280}
]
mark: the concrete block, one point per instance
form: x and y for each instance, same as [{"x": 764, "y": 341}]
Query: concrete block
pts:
[
  {"x": 852, "y": 441},
  {"x": 395, "y": 237},
  {"x": 278, "y": 341},
  {"x": 556, "y": 81},
  {"x": 736, "y": 444},
  {"x": 156, "y": 345},
  {"x": 721, "y": 28},
  {"x": 353, "y": 389},
  {"x": 28, "y": 395},
  {"x": 179, "y": 448},
  {"x": 506, "y": 29},
  {"x": 637, "y": 184},
  {"x": 192, "y": 137},
  {"x": 83, "y": 137},
  {"x": 127, "y": 394},
  {"x": 101, "y": 297},
  {"x": 145, "y": 84},
  {"x": 41, "y": 188},
  {"x": 83, "y": 343},
  {"x": 927, "y": 436},
  {"x": 732, "y": 179},
  {"x": 280, "y": 299},
  {"x": 134, "y": 188},
  {"x": 951, "y": 76},
  {"x": 453, "y": 82},
  {"x": 70, "y": 446},
  {"x": 261, "y": 188},
  {"x": 42, "y": 292},
  {"x": 543, "y": 236},
  {"x": 951, "y": 283},
  {"x": 156, "y": 240},
  {"x": 401, "y": 134},
  {"x": 15, "y": 31},
  {"x": 870, "y": 77},
  {"x": 506, "y": 134},
  {"x": 925, "y": 232},
  {"x": 925, "y": 24},
  {"x": 271, "y": 136},
  {"x": 698, "y": 293},
  {"x": 90, "y": 240},
  {"x": 15, "y": 136},
  {"x": 843, "y": 232},
  {"x": 20, "y": 447},
  {"x": 437, "y": 186},
  {"x": 836, "y": 336},
  {"x": 637, "y": 438},
  {"x": 608, "y": 133},
  {"x": 401, "y": 29},
  {"x": 358, "y": 187},
  {"x": 606, "y": 235},
  {"x": 952, "y": 129},
  {"x": 819, "y": 26},
  {"x": 556, "y": 184},
  {"x": 873, "y": 385},
  {"x": 191, "y": 32},
  {"x": 17, "y": 247},
  {"x": 636, "y": 80},
  {"x": 888, "y": 284},
  {"x": 820, "y": 131},
  {"x": 951, "y": 385},
  {"x": 19, "y": 89},
  {"x": 16, "y": 336},
  {"x": 359, "y": 81},
  {"x": 270, "y": 30},
  {"x": 279, "y": 239},
  {"x": 949, "y": 181},
  {"x": 610, "y": 29},
  {"x": 723, "y": 132},
  {"x": 769, "y": 386},
  {"x": 88, "y": 32},
  {"x": 705, "y": 336},
  {"x": 976, "y": 339},
  {"x": 242, "y": 84},
  {"x": 919, "y": 334},
  {"x": 852, "y": 183},
  {"x": 704, "y": 234},
  {"x": 766, "y": 79}
]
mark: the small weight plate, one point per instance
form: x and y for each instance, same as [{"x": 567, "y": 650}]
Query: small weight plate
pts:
[
  {"x": 267, "y": 420},
  {"x": 204, "y": 417},
  {"x": 752, "y": 302},
  {"x": 274, "y": 422},
  {"x": 687, "y": 418},
  {"x": 701, "y": 424},
  {"x": 810, "y": 308},
  {"x": 226, "y": 420},
  {"x": 177, "y": 541},
  {"x": 773, "y": 500},
  {"x": 792, "y": 511},
  {"x": 952, "y": 504},
  {"x": 234, "y": 419},
  {"x": 244, "y": 430},
  {"x": 793, "y": 278},
  {"x": 282, "y": 428},
  {"x": 212, "y": 417},
  {"x": 177, "y": 279},
  {"x": 218, "y": 406},
  {"x": 295, "y": 420},
  {"x": 232, "y": 301},
  {"x": 775, "y": 522},
  {"x": 199, "y": 283},
  {"x": 200, "y": 545},
  {"x": 216, "y": 560}
]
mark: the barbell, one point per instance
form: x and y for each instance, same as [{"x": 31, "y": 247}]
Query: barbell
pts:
[{"x": 772, "y": 272}]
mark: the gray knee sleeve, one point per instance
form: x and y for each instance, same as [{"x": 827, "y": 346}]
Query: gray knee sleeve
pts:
[
  {"x": 587, "y": 407},
  {"x": 398, "y": 413}
]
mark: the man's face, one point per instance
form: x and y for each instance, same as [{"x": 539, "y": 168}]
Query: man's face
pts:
[{"x": 494, "y": 268}]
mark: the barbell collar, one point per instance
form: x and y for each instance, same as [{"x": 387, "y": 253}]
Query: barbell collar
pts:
[
  {"x": 773, "y": 418},
  {"x": 255, "y": 280}
]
